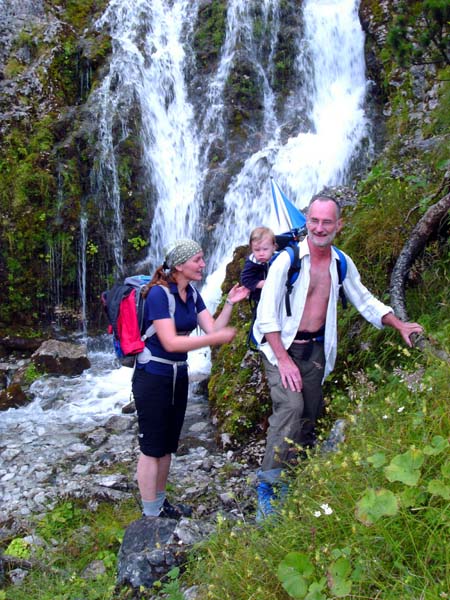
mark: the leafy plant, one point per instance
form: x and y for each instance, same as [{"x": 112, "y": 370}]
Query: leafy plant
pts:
[
  {"x": 171, "y": 587},
  {"x": 31, "y": 374},
  {"x": 18, "y": 547},
  {"x": 138, "y": 243}
]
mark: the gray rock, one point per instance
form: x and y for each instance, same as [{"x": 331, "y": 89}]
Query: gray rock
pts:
[
  {"x": 147, "y": 552},
  {"x": 63, "y": 358}
]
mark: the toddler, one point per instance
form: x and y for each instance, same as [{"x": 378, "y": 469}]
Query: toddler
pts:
[{"x": 263, "y": 246}]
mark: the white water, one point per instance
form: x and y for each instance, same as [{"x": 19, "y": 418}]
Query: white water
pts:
[
  {"x": 149, "y": 70},
  {"x": 331, "y": 59}
]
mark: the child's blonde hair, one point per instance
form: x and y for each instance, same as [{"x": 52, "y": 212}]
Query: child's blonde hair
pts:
[{"x": 259, "y": 232}]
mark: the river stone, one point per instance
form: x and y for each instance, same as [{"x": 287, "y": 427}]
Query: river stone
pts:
[{"x": 62, "y": 358}]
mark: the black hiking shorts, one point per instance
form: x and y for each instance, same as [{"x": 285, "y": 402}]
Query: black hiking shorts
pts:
[{"x": 161, "y": 410}]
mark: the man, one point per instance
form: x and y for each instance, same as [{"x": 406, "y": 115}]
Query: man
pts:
[{"x": 300, "y": 351}]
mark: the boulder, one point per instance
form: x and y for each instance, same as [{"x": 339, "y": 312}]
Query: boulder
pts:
[
  {"x": 148, "y": 552},
  {"x": 20, "y": 344},
  {"x": 61, "y": 358}
]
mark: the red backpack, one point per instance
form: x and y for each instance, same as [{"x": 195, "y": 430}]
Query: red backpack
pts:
[{"x": 124, "y": 307}]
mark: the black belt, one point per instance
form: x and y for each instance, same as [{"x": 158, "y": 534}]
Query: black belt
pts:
[
  {"x": 309, "y": 336},
  {"x": 313, "y": 336}
]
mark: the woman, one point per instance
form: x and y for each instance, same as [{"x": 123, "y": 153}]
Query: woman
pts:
[{"x": 160, "y": 382}]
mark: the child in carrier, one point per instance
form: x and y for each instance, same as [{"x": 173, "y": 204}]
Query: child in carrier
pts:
[{"x": 263, "y": 247}]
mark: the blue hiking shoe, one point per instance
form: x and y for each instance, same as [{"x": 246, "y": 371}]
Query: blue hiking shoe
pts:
[{"x": 265, "y": 495}]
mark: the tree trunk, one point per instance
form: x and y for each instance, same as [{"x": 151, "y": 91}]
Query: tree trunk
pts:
[{"x": 420, "y": 235}]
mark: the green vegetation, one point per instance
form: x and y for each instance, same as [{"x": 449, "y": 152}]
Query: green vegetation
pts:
[
  {"x": 419, "y": 34},
  {"x": 210, "y": 32},
  {"x": 31, "y": 374},
  {"x": 366, "y": 521},
  {"x": 41, "y": 188},
  {"x": 30, "y": 221},
  {"x": 81, "y": 12},
  {"x": 83, "y": 537}
]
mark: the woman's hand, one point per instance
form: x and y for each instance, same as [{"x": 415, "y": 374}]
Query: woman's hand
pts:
[{"x": 238, "y": 293}]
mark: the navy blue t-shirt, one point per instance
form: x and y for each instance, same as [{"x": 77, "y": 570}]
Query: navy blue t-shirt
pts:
[{"x": 157, "y": 307}]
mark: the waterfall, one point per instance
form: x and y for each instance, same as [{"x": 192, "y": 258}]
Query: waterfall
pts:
[
  {"x": 82, "y": 270},
  {"x": 147, "y": 69},
  {"x": 240, "y": 33},
  {"x": 335, "y": 49},
  {"x": 151, "y": 40},
  {"x": 331, "y": 61}
]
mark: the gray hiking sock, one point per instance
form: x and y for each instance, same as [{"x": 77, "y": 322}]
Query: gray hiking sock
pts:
[
  {"x": 151, "y": 508},
  {"x": 161, "y": 496}
]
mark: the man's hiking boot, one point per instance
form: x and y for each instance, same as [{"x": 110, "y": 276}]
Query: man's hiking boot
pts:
[
  {"x": 266, "y": 496},
  {"x": 174, "y": 511}
]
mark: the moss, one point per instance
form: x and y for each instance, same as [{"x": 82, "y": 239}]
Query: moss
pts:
[
  {"x": 237, "y": 390},
  {"x": 42, "y": 229},
  {"x": 13, "y": 68},
  {"x": 210, "y": 32},
  {"x": 239, "y": 402},
  {"x": 80, "y": 13}
]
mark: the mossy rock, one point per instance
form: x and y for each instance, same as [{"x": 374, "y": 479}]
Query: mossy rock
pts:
[{"x": 237, "y": 390}]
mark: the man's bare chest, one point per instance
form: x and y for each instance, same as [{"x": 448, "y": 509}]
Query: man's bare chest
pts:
[{"x": 319, "y": 283}]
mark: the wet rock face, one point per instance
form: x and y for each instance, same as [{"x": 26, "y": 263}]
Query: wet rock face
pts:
[{"x": 15, "y": 14}]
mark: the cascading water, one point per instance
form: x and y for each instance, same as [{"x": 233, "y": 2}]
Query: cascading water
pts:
[
  {"x": 332, "y": 64},
  {"x": 82, "y": 268},
  {"x": 147, "y": 70},
  {"x": 240, "y": 33}
]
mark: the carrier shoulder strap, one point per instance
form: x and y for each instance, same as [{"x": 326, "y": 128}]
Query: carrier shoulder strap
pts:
[
  {"x": 171, "y": 300},
  {"x": 292, "y": 274},
  {"x": 341, "y": 265}
]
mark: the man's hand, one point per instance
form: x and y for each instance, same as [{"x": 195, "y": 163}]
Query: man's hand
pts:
[
  {"x": 405, "y": 329},
  {"x": 290, "y": 375}
]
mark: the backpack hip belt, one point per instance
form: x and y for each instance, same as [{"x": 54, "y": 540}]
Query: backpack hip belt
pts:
[{"x": 148, "y": 356}]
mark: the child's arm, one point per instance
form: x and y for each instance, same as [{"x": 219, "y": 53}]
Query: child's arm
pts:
[{"x": 250, "y": 275}]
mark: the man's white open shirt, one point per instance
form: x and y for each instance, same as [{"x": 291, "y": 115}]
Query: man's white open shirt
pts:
[{"x": 271, "y": 315}]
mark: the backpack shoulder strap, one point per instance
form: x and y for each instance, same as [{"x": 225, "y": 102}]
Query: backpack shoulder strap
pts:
[
  {"x": 292, "y": 275},
  {"x": 341, "y": 265},
  {"x": 171, "y": 300},
  {"x": 194, "y": 295}
]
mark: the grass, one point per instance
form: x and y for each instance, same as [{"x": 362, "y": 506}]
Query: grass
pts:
[
  {"x": 72, "y": 539},
  {"x": 368, "y": 521}
]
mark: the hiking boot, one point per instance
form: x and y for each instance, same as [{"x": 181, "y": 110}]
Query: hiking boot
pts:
[
  {"x": 266, "y": 495},
  {"x": 174, "y": 511}
]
